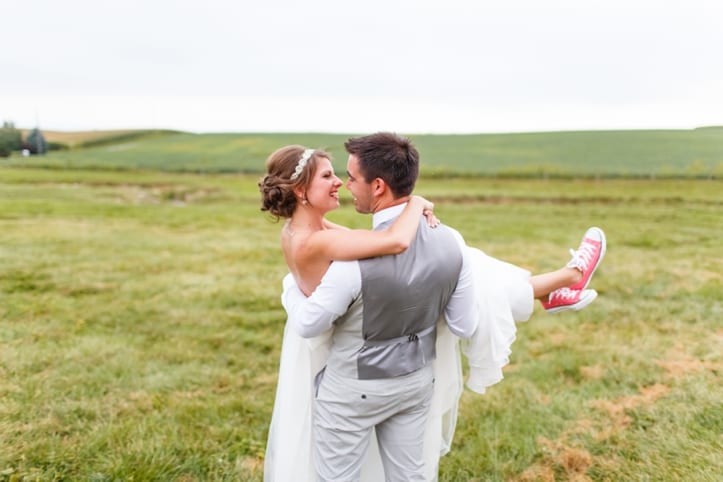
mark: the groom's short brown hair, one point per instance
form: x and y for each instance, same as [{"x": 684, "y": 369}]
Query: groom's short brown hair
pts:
[{"x": 388, "y": 156}]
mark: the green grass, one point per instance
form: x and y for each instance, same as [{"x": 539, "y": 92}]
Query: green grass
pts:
[
  {"x": 696, "y": 153},
  {"x": 140, "y": 328}
]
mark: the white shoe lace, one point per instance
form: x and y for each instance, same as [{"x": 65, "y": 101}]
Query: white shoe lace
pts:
[
  {"x": 563, "y": 294},
  {"x": 582, "y": 258}
]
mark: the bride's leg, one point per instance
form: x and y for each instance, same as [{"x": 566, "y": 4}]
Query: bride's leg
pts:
[
  {"x": 546, "y": 283},
  {"x": 577, "y": 273}
]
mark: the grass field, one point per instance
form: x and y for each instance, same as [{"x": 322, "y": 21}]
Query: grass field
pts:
[
  {"x": 696, "y": 153},
  {"x": 140, "y": 328}
]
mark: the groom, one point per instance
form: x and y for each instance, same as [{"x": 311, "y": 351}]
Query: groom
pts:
[{"x": 384, "y": 312}]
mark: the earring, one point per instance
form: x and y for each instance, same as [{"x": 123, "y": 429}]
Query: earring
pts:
[{"x": 304, "y": 202}]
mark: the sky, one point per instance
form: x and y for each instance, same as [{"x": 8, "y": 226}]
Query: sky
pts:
[{"x": 452, "y": 66}]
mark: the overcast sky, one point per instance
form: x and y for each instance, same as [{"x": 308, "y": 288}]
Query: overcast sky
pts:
[{"x": 357, "y": 67}]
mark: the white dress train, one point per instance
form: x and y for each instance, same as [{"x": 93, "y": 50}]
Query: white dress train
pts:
[{"x": 504, "y": 296}]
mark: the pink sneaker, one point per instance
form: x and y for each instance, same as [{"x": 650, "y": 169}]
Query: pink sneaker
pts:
[
  {"x": 588, "y": 256},
  {"x": 568, "y": 299}
]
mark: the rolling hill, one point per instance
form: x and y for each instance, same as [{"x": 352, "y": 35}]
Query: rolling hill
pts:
[{"x": 633, "y": 153}]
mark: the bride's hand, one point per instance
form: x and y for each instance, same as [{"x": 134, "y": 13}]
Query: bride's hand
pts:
[
  {"x": 432, "y": 220},
  {"x": 428, "y": 211}
]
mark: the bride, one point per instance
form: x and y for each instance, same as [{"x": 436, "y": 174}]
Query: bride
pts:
[{"x": 300, "y": 186}]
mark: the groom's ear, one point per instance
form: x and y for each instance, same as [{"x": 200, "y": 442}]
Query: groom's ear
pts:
[{"x": 379, "y": 187}]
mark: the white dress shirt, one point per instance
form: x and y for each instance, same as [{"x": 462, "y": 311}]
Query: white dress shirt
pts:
[{"x": 341, "y": 285}]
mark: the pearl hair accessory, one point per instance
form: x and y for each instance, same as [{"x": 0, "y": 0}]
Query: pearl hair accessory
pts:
[{"x": 302, "y": 163}]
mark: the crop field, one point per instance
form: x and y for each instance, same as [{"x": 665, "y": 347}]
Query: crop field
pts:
[
  {"x": 140, "y": 326},
  {"x": 696, "y": 153}
]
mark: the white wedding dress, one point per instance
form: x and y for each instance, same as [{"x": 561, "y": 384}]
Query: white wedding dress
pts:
[{"x": 504, "y": 296}]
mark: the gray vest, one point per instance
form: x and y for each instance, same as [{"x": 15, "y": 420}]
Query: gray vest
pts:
[{"x": 390, "y": 330}]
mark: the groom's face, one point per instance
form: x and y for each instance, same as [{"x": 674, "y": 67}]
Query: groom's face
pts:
[{"x": 360, "y": 189}]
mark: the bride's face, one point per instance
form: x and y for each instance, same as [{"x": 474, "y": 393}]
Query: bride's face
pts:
[{"x": 323, "y": 190}]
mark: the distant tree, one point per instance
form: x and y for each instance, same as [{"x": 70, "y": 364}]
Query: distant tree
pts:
[
  {"x": 35, "y": 142},
  {"x": 10, "y": 139}
]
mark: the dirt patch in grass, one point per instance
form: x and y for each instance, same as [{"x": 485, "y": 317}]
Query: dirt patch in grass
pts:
[
  {"x": 616, "y": 410},
  {"x": 156, "y": 194},
  {"x": 537, "y": 473},
  {"x": 252, "y": 464},
  {"x": 594, "y": 372},
  {"x": 185, "y": 478},
  {"x": 678, "y": 363},
  {"x": 560, "y": 462}
]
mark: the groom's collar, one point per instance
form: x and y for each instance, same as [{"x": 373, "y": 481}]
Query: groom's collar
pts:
[{"x": 386, "y": 214}]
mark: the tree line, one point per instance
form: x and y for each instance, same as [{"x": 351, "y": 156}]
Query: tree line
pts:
[{"x": 11, "y": 140}]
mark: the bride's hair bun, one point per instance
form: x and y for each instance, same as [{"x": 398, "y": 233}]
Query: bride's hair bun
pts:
[
  {"x": 277, "y": 196},
  {"x": 287, "y": 168}
]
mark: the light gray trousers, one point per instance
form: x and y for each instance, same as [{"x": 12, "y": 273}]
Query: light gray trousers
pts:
[{"x": 345, "y": 412}]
